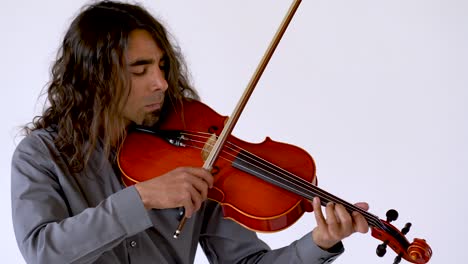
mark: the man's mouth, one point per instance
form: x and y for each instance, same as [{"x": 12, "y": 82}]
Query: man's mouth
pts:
[{"x": 153, "y": 107}]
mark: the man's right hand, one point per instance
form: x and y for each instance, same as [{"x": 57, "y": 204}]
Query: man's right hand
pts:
[{"x": 184, "y": 186}]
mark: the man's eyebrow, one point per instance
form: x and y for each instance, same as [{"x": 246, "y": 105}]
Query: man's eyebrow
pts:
[{"x": 141, "y": 62}]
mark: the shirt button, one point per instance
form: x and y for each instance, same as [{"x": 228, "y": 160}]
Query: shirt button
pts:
[{"x": 133, "y": 244}]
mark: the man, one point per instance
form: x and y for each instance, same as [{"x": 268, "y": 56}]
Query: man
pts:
[{"x": 117, "y": 67}]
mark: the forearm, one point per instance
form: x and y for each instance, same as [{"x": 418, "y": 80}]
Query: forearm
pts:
[
  {"x": 225, "y": 241},
  {"x": 303, "y": 250}
]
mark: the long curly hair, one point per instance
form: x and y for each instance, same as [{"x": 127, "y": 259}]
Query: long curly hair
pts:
[{"x": 90, "y": 82}]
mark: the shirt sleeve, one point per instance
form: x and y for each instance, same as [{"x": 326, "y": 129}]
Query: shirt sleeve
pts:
[
  {"x": 45, "y": 230},
  {"x": 226, "y": 241}
]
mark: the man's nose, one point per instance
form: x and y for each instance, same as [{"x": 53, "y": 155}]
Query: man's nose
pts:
[{"x": 158, "y": 79}]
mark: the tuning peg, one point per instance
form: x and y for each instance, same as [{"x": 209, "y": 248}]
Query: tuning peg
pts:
[
  {"x": 406, "y": 229},
  {"x": 397, "y": 259},
  {"x": 381, "y": 249},
  {"x": 392, "y": 215}
]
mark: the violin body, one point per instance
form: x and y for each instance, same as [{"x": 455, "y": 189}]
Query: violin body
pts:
[
  {"x": 184, "y": 137},
  {"x": 266, "y": 187}
]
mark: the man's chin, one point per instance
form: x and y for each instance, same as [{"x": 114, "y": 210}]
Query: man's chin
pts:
[{"x": 151, "y": 119}]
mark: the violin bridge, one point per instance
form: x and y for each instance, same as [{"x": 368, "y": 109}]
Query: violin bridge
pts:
[{"x": 208, "y": 146}]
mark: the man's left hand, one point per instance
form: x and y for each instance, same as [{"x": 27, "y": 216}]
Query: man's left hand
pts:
[{"x": 338, "y": 224}]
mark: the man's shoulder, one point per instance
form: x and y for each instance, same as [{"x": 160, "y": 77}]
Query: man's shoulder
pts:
[{"x": 38, "y": 139}]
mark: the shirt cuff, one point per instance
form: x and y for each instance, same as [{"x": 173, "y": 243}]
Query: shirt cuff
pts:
[
  {"x": 130, "y": 211},
  {"x": 307, "y": 250}
]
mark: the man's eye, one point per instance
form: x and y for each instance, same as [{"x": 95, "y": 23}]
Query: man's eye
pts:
[
  {"x": 162, "y": 65},
  {"x": 140, "y": 72}
]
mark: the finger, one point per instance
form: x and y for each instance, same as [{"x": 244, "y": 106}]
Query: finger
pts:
[
  {"x": 202, "y": 174},
  {"x": 333, "y": 223},
  {"x": 318, "y": 212},
  {"x": 200, "y": 185},
  {"x": 191, "y": 202},
  {"x": 196, "y": 199},
  {"x": 363, "y": 206},
  {"x": 331, "y": 216},
  {"x": 344, "y": 218},
  {"x": 360, "y": 223},
  {"x": 188, "y": 206}
]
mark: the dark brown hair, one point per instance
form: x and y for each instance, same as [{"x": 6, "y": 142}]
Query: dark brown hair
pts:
[{"x": 90, "y": 82}]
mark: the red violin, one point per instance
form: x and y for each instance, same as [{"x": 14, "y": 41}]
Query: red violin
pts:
[{"x": 265, "y": 187}]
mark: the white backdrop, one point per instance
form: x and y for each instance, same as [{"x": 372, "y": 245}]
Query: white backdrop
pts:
[{"x": 375, "y": 91}]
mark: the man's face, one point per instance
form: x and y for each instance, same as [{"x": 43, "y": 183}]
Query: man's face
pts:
[{"x": 148, "y": 83}]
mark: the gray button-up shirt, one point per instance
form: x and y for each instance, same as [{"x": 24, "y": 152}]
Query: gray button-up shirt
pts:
[{"x": 90, "y": 217}]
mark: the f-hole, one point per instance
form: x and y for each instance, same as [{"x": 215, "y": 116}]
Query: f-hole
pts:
[
  {"x": 212, "y": 129},
  {"x": 214, "y": 170}
]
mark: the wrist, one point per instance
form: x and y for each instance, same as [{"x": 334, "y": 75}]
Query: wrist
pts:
[
  {"x": 141, "y": 193},
  {"x": 325, "y": 244}
]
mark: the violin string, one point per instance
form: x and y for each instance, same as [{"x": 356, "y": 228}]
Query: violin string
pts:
[
  {"x": 295, "y": 179},
  {"x": 298, "y": 182},
  {"x": 372, "y": 220},
  {"x": 269, "y": 165}
]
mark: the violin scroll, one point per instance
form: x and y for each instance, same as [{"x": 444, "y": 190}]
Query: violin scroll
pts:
[{"x": 418, "y": 251}]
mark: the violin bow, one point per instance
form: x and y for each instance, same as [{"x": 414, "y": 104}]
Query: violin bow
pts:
[
  {"x": 416, "y": 252},
  {"x": 234, "y": 117}
]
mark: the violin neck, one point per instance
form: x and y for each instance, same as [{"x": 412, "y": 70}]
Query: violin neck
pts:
[{"x": 288, "y": 181}]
